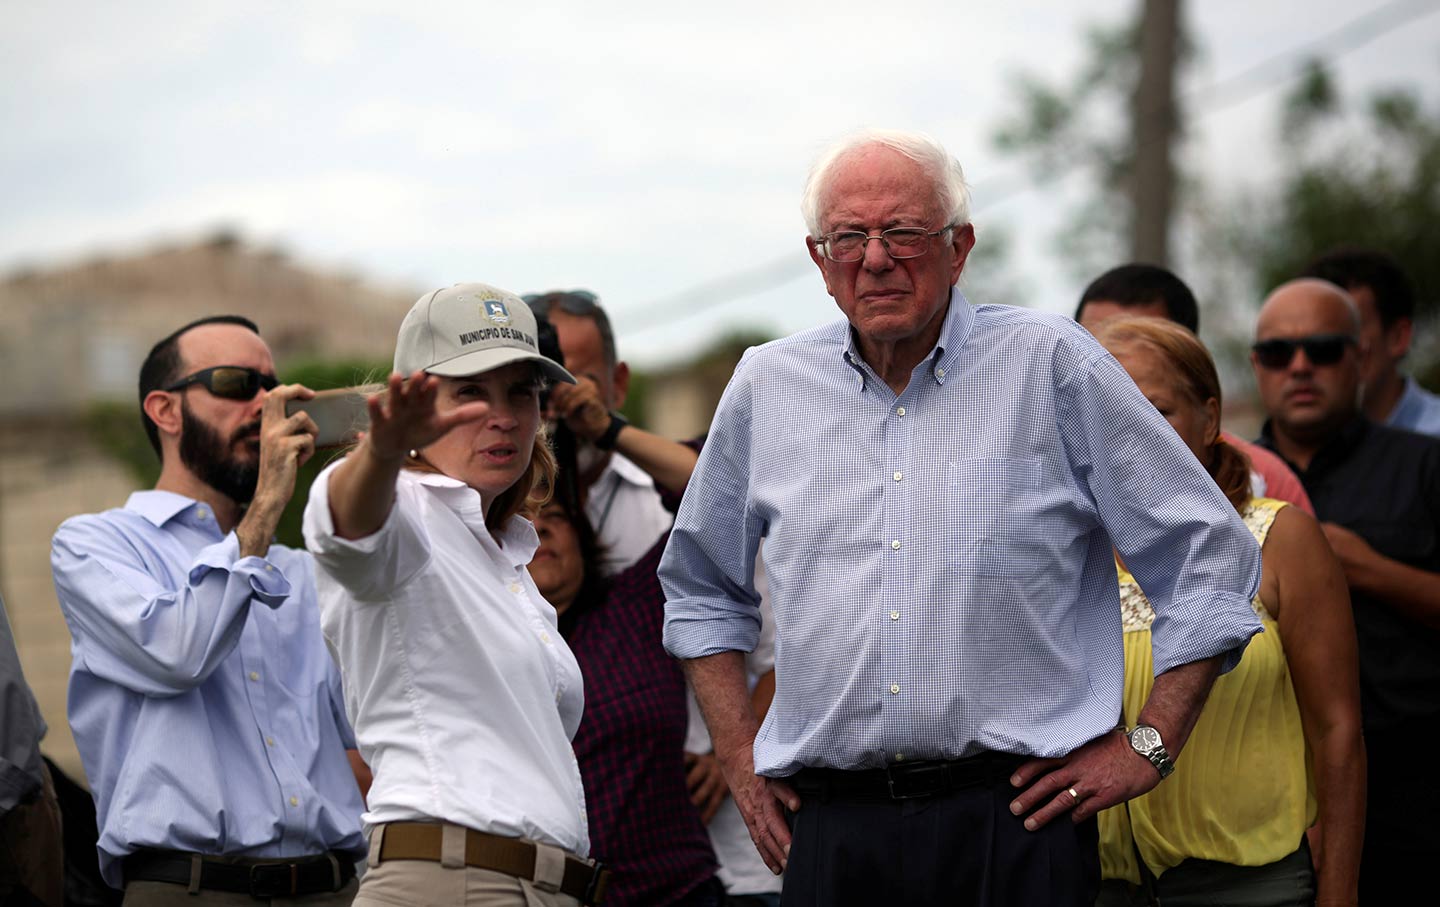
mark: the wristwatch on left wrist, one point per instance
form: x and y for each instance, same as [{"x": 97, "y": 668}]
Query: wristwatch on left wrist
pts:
[
  {"x": 1146, "y": 741},
  {"x": 607, "y": 440}
]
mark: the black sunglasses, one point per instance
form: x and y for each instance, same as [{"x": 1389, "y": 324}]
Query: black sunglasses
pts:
[
  {"x": 233, "y": 382},
  {"x": 1320, "y": 349}
]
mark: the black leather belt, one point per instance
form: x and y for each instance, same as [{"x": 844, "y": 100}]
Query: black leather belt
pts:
[
  {"x": 908, "y": 780},
  {"x": 257, "y": 878}
]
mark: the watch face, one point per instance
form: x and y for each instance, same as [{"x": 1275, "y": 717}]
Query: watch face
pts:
[{"x": 1144, "y": 739}]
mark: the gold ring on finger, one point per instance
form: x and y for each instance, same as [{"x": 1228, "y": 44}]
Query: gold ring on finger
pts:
[{"x": 1073, "y": 795}]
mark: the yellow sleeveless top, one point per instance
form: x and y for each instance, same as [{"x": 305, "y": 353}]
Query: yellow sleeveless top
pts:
[{"x": 1242, "y": 792}]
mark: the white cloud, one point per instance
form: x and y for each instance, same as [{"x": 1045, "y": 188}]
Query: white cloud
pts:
[{"x": 639, "y": 148}]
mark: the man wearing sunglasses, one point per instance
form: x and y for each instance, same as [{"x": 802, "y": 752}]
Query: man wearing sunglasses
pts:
[
  {"x": 1376, "y": 490},
  {"x": 205, "y": 706}
]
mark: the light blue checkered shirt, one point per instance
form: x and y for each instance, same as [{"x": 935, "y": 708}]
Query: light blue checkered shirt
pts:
[{"x": 940, "y": 563}]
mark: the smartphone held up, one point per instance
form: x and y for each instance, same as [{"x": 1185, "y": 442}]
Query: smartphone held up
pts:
[{"x": 339, "y": 414}]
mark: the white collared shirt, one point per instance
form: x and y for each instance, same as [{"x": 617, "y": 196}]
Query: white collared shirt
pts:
[
  {"x": 624, "y": 508},
  {"x": 461, "y": 690}
]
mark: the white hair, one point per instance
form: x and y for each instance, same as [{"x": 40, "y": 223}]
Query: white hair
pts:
[{"x": 952, "y": 195}]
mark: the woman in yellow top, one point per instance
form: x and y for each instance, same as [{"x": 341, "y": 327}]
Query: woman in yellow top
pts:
[{"x": 1277, "y": 748}]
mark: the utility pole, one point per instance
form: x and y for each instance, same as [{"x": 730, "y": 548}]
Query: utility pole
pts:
[{"x": 1154, "y": 123}]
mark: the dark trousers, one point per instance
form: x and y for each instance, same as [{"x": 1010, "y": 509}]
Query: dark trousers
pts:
[{"x": 958, "y": 848}]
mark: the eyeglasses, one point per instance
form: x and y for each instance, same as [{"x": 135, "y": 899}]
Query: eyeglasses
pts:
[
  {"x": 232, "y": 382},
  {"x": 899, "y": 242},
  {"x": 1320, "y": 349}
]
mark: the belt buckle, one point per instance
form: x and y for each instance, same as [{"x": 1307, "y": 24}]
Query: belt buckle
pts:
[
  {"x": 595, "y": 888},
  {"x": 914, "y": 782},
  {"x": 274, "y": 880}
]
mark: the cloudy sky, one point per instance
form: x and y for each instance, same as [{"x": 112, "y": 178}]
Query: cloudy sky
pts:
[{"x": 652, "y": 152}]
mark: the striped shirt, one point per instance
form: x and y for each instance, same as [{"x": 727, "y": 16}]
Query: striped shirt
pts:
[{"x": 940, "y": 562}]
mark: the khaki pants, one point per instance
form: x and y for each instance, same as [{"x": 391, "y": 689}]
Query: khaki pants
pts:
[
  {"x": 32, "y": 850},
  {"x": 422, "y": 883}
]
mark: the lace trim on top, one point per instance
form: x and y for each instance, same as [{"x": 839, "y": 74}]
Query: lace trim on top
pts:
[{"x": 1135, "y": 610}]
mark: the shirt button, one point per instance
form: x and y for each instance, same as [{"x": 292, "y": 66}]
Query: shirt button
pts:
[
  {"x": 894, "y": 688},
  {"x": 939, "y": 373},
  {"x": 254, "y": 675},
  {"x": 294, "y": 801},
  {"x": 515, "y": 587},
  {"x": 269, "y": 741},
  {"x": 895, "y": 544},
  {"x": 201, "y": 512},
  {"x": 270, "y": 568},
  {"x": 897, "y": 476},
  {"x": 899, "y": 410},
  {"x": 544, "y": 637},
  {"x": 894, "y": 615},
  {"x": 899, "y": 757}
]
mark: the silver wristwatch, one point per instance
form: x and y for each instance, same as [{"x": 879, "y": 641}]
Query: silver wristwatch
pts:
[{"x": 1146, "y": 741}]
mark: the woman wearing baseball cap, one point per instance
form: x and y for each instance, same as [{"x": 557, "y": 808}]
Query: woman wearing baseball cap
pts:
[{"x": 462, "y": 692}]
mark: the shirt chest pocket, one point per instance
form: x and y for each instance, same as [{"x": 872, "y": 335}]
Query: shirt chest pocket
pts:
[{"x": 993, "y": 503}]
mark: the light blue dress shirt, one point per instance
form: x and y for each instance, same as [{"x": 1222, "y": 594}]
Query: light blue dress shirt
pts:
[
  {"x": 206, "y": 708},
  {"x": 1417, "y": 410},
  {"x": 940, "y": 563}
]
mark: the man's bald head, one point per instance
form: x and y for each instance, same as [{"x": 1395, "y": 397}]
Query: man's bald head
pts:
[
  {"x": 1307, "y": 361},
  {"x": 1314, "y": 302}
]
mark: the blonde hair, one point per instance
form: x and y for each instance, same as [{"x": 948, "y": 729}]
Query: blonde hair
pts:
[{"x": 1195, "y": 377}]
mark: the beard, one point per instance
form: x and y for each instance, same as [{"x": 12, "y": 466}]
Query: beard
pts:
[{"x": 211, "y": 458}]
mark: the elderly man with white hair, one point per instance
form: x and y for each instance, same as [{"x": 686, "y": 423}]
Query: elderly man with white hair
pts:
[{"x": 940, "y": 488}]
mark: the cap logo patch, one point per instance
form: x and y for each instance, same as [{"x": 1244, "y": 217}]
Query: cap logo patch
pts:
[{"x": 497, "y": 313}]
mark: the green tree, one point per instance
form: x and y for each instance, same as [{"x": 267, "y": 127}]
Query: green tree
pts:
[
  {"x": 1365, "y": 175},
  {"x": 1100, "y": 124}
]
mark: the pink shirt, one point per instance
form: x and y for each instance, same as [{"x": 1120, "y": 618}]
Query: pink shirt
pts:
[{"x": 1281, "y": 483}]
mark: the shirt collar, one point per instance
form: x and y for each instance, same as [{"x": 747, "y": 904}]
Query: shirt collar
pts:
[
  {"x": 954, "y": 330},
  {"x": 159, "y": 507},
  {"x": 1332, "y": 451},
  {"x": 628, "y": 471},
  {"x": 517, "y": 539},
  {"x": 1407, "y": 408}
]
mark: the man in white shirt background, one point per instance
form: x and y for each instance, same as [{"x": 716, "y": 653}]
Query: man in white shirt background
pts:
[{"x": 624, "y": 508}]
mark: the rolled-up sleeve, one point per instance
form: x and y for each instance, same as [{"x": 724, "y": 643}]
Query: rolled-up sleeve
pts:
[
  {"x": 370, "y": 568},
  {"x": 1178, "y": 535},
  {"x": 709, "y": 564},
  {"x": 132, "y": 629}
]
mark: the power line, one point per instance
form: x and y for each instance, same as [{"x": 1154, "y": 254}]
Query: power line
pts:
[{"x": 1241, "y": 87}]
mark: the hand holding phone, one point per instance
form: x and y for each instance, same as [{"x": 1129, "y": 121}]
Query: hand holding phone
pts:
[{"x": 339, "y": 414}]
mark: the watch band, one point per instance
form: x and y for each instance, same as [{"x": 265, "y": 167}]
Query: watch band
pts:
[
  {"x": 607, "y": 440},
  {"x": 1161, "y": 760},
  {"x": 1155, "y": 752}
]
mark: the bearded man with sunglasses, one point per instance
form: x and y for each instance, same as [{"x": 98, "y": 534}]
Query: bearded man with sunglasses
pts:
[
  {"x": 1376, "y": 491},
  {"x": 205, "y": 706}
]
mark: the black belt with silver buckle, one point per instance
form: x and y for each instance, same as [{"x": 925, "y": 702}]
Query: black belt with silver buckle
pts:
[
  {"x": 257, "y": 878},
  {"x": 907, "y": 781}
]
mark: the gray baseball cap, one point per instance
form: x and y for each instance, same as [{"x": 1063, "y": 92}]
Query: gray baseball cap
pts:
[{"x": 468, "y": 329}]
